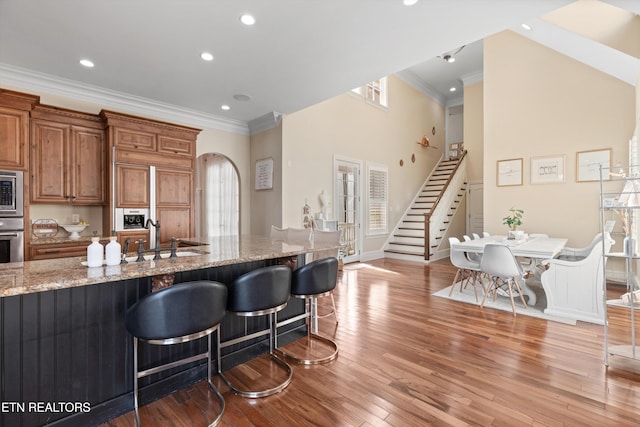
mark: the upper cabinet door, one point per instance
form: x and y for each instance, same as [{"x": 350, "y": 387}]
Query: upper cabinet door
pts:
[
  {"x": 13, "y": 138},
  {"x": 132, "y": 186},
  {"x": 49, "y": 175},
  {"x": 89, "y": 160}
]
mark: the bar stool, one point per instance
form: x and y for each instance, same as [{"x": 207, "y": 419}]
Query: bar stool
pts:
[
  {"x": 313, "y": 280},
  {"x": 177, "y": 314},
  {"x": 264, "y": 291}
]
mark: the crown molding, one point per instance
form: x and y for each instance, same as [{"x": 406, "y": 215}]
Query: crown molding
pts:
[
  {"x": 264, "y": 122},
  {"x": 412, "y": 79},
  {"x": 29, "y": 80},
  {"x": 472, "y": 78}
]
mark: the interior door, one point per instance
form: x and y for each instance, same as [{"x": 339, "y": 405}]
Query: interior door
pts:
[
  {"x": 475, "y": 215},
  {"x": 348, "y": 206}
]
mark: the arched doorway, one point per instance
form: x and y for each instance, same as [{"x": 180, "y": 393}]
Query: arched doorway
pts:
[{"x": 218, "y": 196}]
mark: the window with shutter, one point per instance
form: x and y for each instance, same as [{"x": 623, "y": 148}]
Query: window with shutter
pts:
[{"x": 377, "y": 199}]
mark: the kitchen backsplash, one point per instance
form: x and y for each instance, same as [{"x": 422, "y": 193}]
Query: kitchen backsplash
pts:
[{"x": 92, "y": 215}]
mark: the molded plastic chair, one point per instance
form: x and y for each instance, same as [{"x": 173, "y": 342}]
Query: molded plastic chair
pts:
[
  {"x": 313, "y": 280},
  {"x": 264, "y": 291},
  {"x": 468, "y": 270},
  {"x": 505, "y": 271},
  {"x": 177, "y": 314}
]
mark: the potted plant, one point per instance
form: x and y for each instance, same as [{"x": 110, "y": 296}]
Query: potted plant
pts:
[{"x": 513, "y": 221}]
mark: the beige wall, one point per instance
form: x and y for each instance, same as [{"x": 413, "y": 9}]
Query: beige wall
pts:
[
  {"x": 538, "y": 102},
  {"x": 474, "y": 130},
  {"x": 348, "y": 127},
  {"x": 266, "y": 204}
]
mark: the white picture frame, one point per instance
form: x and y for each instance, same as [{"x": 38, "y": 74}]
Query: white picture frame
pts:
[
  {"x": 588, "y": 164},
  {"x": 548, "y": 170},
  {"x": 264, "y": 174},
  {"x": 509, "y": 172}
]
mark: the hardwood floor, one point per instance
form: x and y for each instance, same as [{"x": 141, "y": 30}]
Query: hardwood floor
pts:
[{"x": 410, "y": 359}]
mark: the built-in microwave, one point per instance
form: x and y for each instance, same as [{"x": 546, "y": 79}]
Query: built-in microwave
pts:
[
  {"x": 131, "y": 219},
  {"x": 11, "y": 198}
]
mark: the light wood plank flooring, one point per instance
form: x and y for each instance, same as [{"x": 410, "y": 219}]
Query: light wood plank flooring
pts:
[{"x": 410, "y": 359}]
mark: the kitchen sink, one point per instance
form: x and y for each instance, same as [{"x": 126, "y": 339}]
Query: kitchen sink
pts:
[{"x": 150, "y": 256}]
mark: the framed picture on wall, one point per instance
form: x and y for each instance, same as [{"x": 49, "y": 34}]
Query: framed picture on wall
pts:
[
  {"x": 264, "y": 174},
  {"x": 588, "y": 164},
  {"x": 509, "y": 172},
  {"x": 547, "y": 170}
]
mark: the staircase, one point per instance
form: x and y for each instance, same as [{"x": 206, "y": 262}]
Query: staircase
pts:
[{"x": 408, "y": 239}]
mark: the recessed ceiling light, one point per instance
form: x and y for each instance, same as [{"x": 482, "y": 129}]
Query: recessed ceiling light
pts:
[
  {"x": 409, "y": 2},
  {"x": 206, "y": 56},
  {"x": 87, "y": 63},
  {"x": 225, "y": 107},
  {"x": 452, "y": 89},
  {"x": 241, "y": 97},
  {"x": 247, "y": 19},
  {"x": 526, "y": 27}
]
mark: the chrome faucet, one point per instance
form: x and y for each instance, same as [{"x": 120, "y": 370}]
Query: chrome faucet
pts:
[{"x": 156, "y": 225}]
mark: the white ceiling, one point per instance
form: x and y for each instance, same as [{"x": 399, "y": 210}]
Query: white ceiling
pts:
[{"x": 299, "y": 52}]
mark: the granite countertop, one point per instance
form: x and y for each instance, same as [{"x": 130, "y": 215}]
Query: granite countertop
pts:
[
  {"x": 35, "y": 241},
  {"x": 19, "y": 278}
]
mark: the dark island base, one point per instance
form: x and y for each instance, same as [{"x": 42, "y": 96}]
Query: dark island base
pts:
[{"x": 66, "y": 357}]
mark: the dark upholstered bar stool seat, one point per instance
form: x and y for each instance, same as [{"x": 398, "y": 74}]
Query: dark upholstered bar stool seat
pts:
[
  {"x": 260, "y": 292},
  {"x": 313, "y": 280},
  {"x": 177, "y": 314}
]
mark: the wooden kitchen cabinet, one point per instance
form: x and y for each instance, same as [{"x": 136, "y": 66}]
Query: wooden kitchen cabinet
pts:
[
  {"x": 132, "y": 186},
  {"x": 68, "y": 160},
  {"x": 58, "y": 250},
  {"x": 14, "y": 128},
  {"x": 134, "y": 236},
  {"x": 173, "y": 203},
  {"x": 173, "y": 188}
]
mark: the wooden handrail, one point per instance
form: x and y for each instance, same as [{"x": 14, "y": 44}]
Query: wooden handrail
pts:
[{"x": 427, "y": 216}]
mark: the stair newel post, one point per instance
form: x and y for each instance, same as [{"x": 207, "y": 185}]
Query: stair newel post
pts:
[{"x": 427, "y": 235}]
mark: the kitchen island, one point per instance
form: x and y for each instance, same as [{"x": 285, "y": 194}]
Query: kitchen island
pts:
[{"x": 65, "y": 355}]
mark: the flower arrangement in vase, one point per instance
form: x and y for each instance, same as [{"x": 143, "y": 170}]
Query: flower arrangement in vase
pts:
[{"x": 513, "y": 221}]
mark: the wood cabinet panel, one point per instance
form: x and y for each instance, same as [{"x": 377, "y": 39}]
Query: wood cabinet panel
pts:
[
  {"x": 173, "y": 188},
  {"x": 89, "y": 162},
  {"x": 13, "y": 138},
  {"x": 137, "y": 140},
  {"x": 176, "y": 146},
  {"x": 68, "y": 157},
  {"x": 175, "y": 222},
  {"x": 49, "y": 182},
  {"x": 134, "y": 236},
  {"x": 153, "y": 159},
  {"x": 132, "y": 186},
  {"x": 62, "y": 250}
]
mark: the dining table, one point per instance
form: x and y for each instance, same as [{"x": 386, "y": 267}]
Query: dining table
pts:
[{"x": 536, "y": 248}]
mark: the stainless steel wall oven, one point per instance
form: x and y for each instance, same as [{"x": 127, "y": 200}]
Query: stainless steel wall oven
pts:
[{"x": 11, "y": 217}]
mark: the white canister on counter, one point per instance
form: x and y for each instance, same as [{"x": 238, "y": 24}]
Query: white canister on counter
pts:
[
  {"x": 113, "y": 251},
  {"x": 95, "y": 253}
]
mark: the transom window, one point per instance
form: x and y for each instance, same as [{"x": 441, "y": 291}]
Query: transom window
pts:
[{"x": 374, "y": 92}]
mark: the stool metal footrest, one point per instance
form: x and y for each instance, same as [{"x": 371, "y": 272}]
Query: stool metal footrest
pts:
[
  {"x": 315, "y": 361},
  {"x": 267, "y": 392}
]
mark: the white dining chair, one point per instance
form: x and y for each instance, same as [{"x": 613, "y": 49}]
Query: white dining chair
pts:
[
  {"x": 505, "y": 272},
  {"x": 279, "y": 234},
  {"x": 299, "y": 235},
  {"x": 475, "y": 235},
  {"x": 468, "y": 270},
  {"x": 485, "y": 234}
]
